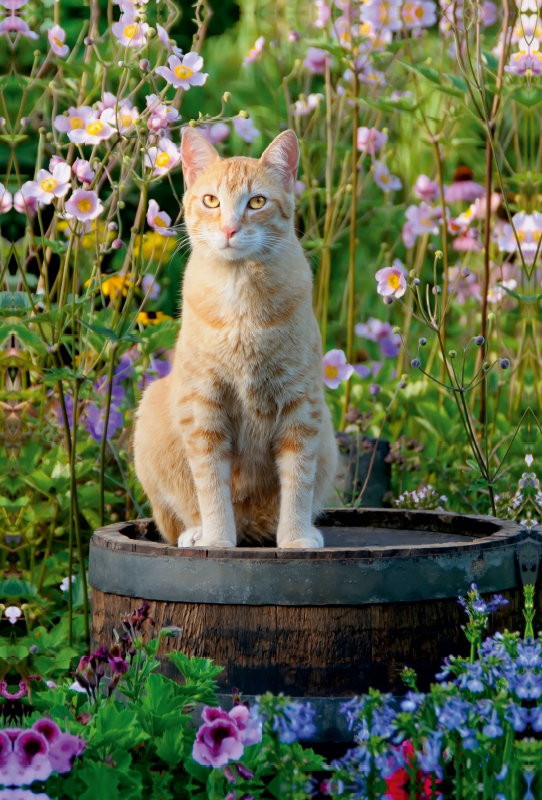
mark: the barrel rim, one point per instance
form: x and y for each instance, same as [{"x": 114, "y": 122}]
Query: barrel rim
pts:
[{"x": 114, "y": 537}]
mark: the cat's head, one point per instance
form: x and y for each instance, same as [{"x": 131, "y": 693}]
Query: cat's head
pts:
[{"x": 239, "y": 208}]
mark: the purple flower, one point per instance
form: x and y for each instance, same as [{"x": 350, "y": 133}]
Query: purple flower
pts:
[
  {"x": 382, "y": 332},
  {"x": 315, "y": 60},
  {"x": 63, "y": 751},
  {"x": 150, "y": 286},
  {"x": 518, "y": 716},
  {"x": 217, "y": 742},
  {"x": 412, "y": 701},
  {"x": 463, "y": 191},
  {"x": 429, "y": 758},
  {"x": 335, "y": 369},
  {"x": 454, "y": 713},
  {"x": 95, "y": 422},
  {"x": 28, "y": 760},
  {"x": 249, "y": 723},
  {"x": 245, "y": 129},
  {"x": 426, "y": 189},
  {"x": 47, "y": 728},
  {"x": 294, "y": 721},
  {"x": 158, "y": 369}
]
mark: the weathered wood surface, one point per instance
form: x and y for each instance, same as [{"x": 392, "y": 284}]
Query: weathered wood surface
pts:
[{"x": 308, "y": 651}]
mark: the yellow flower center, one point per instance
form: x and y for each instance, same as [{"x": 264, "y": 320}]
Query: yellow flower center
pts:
[
  {"x": 419, "y": 12},
  {"x": 57, "y": 41},
  {"x": 130, "y": 31},
  {"x": 126, "y": 120},
  {"x": 537, "y": 234},
  {"x": 365, "y": 29},
  {"x": 84, "y": 204},
  {"x": 521, "y": 235},
  {"x": 47, "y": 184},
  {"x": 76, "y": 123},
  {"x": 384, "y": 178},
  {"x": 94, "y": 128},
  {"x": 159, "y": 222},
  {"x": 331, "y": 371},
  {"x": 162, "y": 160},
  {"x": 183, "y": 72},
  {"x": 393, "y": 281}
]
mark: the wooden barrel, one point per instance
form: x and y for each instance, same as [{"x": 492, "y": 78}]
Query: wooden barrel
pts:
[{"x": 322, "y": 624}]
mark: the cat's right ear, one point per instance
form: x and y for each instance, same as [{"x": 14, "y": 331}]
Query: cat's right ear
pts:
[{"x": 197, "y": 154}]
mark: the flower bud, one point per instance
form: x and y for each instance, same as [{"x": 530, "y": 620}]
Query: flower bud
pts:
[
  {"x": 415, "y": 363},
  {"x": 486, "y": 365},
  {"x": 388, "y": 301},
  {"x": 479, "y": 340},
  {"x": 144, "y": 64},
  {"x": 244, "y": 114},
  {"x": 121, "y": 204},
  {"x": 491, "y": 316},
  {"x": 116, "y": 244},
  {"x": 416, "y": 281},
  {"x": 504, "y": 363},
  {"x": 436, "y": 290},
  {"x": 226, "y": 97},
  {"x": 374, "y": 389},
  {"x": 49, "y": 136},
  {"x": 293, "y": 36},
  {"x": 464, "y": 272},
  {"x": 88, "y": 41},
  {"x": 439, "y": 254},
  {"x": 412, "y": 273},
  {"x": 193, "y": 123},
  {"x": 121, "y": 64},
  {"x": 151, "y": 33},
  {"x": 402, "y": 384},
  {"x": 422, "y": 341},
  {"x": 42, "y": 130},
  {"x": 452, "y": 353},
  {"x": 112, "y": 226},
  {"x": 348, "y": 188},
  {"x": 397, "y": 329}
]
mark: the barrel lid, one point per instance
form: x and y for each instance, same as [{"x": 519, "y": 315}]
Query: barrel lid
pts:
[{"x": 370, "y": 556}]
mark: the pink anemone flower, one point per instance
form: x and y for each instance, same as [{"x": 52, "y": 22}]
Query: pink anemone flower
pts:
[
  {"x": 93, "y": 131},
  {"x": 6, "y": 200},
  {"x": 315, "y": 60},
  {"x": 82, "y": 170},
  {"x": 255, "y": 51},
  {"x": 216, "y": 133},
  {"x": 184, "y": 74},
  {"x": 130, "y": 33},
  {"x": 83, "y": 205},
  {"x": 57, "y": 40},
  {"x": 49, "y": 185},
  {"x": 163, "y": 157},
  {"x": 74, "y": 120},
  {"x": 159, "y": 220},
  {"x": 17, "y": 25},
  {"x": 335, "y": 368},
  {"x": 391, "y": 282}
]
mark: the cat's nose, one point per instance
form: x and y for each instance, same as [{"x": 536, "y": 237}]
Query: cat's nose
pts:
[{"x": 229, "y": 231}]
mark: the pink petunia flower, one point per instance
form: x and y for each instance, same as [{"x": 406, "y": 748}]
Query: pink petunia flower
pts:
[
  {"x": 215, "y": 133},
  {"x": 93, "y": 131},
  {"x": 6, "y": 200},
  {"x": 371, "y": 140},
  {"x": 159, "y": 220},
  {"x": 255, "y": 51},
  {"x": 315, "y": 60},
  {"x": 391, "y": 282},
  {"x": 82, "y": 170},
  {"x": 130, "y": 33},
  {"x": 74, "y": 120},
  {"x": 218, "y": 742},
  {"x": 384, "y": 179},
  {"x": 245, "y": 129},
  {"x": 83, "y": 205},
  {"x": 163, "y": 157},
  {"x": 335, "y": 368},
  {"x": 182, "y": 74},
  {"x": 49, "y": 185},
  {"x": 426, "y": 189},
  {"x": 57, "y": 40}
]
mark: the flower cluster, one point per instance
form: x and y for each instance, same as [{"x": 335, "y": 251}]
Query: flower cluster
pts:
[
  {"x": 424, "y": 498},
  {"x": 91, "y": 669},
  {"x": 225, "y": 734},
  {"x": 33, "y": 754}
]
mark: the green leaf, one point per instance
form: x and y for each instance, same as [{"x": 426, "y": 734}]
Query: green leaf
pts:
[
  {"x": 56, "y": 246},
  {"x": 527, "y": 97},
  {"x": 169, "y": 747},
  {"x": 117, "y": 727}
]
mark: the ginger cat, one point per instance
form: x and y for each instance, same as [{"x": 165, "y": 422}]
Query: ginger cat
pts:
[{"x": 236, "y": 443}]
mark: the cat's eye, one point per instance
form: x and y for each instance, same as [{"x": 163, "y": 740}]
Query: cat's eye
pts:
[
  {"x": 211, "y": 201},
  {"x": 256, "y": 202}
]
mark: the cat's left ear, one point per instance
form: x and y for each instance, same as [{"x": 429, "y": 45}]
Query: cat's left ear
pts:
[
  {"x": 197, "y": 154},
  {"x": 282, "y": 156}
]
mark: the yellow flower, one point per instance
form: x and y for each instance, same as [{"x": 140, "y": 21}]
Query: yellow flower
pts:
[
  {"x": 151, "y": 317},
  {"x": 116, "y": 284},
  {"x": 154, "y": 247}
]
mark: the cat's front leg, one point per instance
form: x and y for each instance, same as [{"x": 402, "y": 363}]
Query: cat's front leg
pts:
[
  {"x": 296, "y": 454},
  {"x": 208, "y": 449}
]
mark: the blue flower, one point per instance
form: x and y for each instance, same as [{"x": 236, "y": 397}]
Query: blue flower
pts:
[
  {"x": 429, "y": 758},
  {"x": 389, "y": 762},
  {"x": 351, "y": 710},
  {"x": 454, "y": 713},
  {"x": 535, "y": 718},
  {"x": 412, "y": 701},
  {"x": 529, "y": 655},
  {"x": 528, "y": 685},
  {"x": 294, "y": 721},
  {"x": 382, "y": 722},
  {"x": 518, "y": 716},
  {"x": 493, "y": 730}
]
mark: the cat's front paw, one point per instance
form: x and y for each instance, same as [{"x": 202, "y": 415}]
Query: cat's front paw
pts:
[
  {"x": 195, "y": 537},
  {"x": 301, "y": 540}
]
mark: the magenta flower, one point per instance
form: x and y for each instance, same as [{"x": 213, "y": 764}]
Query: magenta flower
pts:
[
  {"x": 159, "y": 220},
  {"x": 57, "y": 40},
  {"x": 163, "y": 157},
  {"x": 74, "y": 120},
  {"x": 245, "y": 129},
  {"x": 384, "y": 179},
  {"x": 130, "y": 33},
  {"x": 315, "y": 60},
  {"x": 255, "y": 51},
  {"x": 63, "y": 750},
  {"x": 6, "y": 200},
  {"x": 215, "y": 133},
  {"x": 371, "y": 140},
  {"x": 28, "y": 760},
  {"x": 218, "y": 742},
  {"x": 83, "y": 205},
  {"x": 391, "y": 282},
  {"x": 426, "y": 189},
  {"x": 82, "y": 170},
  {"x": 335, "y": 369},
  {"x": 184, "y": 74},
  {"x": 48, "y": 186}
]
